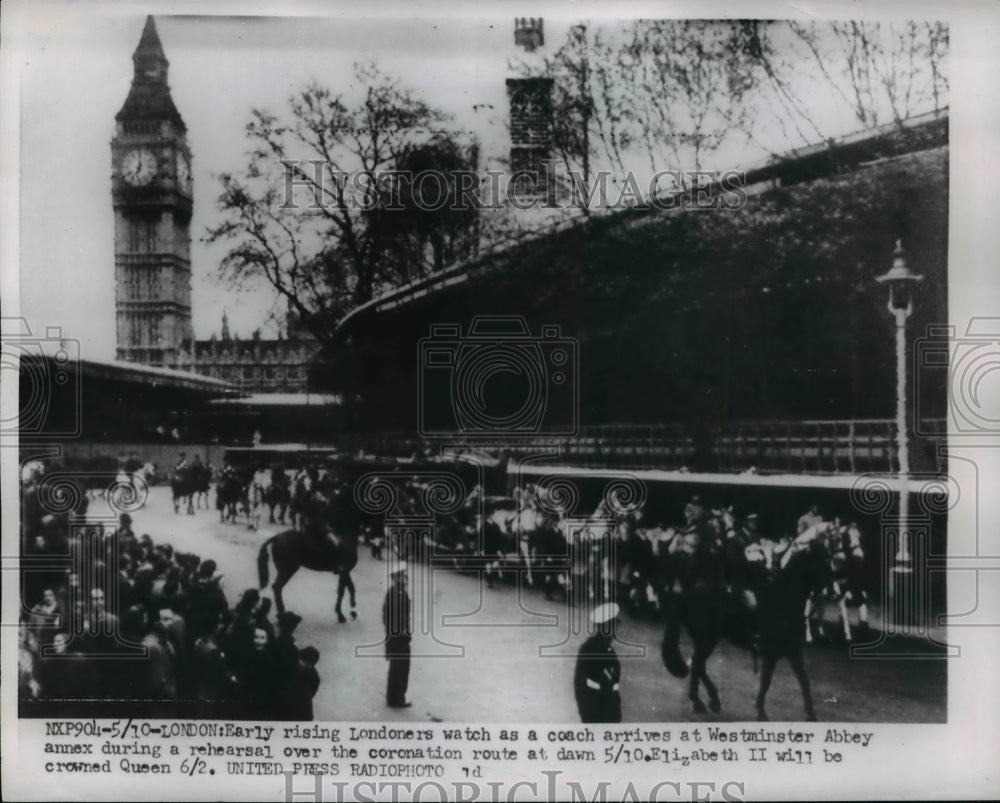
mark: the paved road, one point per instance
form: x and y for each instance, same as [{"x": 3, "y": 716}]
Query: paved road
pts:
[{"x": 506, "y": 654}]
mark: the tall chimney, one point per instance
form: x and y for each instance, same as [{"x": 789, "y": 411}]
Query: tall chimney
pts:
[
  {"x": 528, "y": 33},
  {"x": 530, "y": 114}
]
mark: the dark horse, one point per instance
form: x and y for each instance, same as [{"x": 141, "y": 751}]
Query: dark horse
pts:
[
  {"x": 201, "y": 481},
  {"x": 228, "y": 493},
  {"x": 710, "y": 612},
  {"x": 182, "y": 487},
  {"x": 292, "y": 550},
  {"x": 348, "y": 560},
  {"x": 278, "y": 495}
]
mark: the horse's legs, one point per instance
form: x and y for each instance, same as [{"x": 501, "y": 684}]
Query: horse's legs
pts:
[
  {"x": 845, "y": 618},
  {"x": 799, "y": 668},
  {"x": 863, "y": 613},
  {"x": 191, "y": 504},
  {"x": 766, "y": 673},
  {"x": 714, "y": 703},
  {"x": 341, "y": 588},
  {"x": 807, "y": 616},
  {"x": 270, "y": 517},
  {"x": 697, "y": 672},
  {"x": 349, "y": 583},
  {"x": 283, "y": 576}
]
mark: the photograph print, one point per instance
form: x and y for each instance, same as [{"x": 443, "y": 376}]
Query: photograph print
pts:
[{"x": 483, "y": 369}]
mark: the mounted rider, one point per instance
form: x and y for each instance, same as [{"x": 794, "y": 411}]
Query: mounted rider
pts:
[
  {"x": 737, "y": 572},
  {"x": 279, "y": 479},
  {"x": 314, "y": 524}
]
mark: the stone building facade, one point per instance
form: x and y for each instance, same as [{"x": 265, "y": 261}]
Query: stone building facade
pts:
[
  {"x": 152, "y": 199},
  {"x": 256, "y": 364}
]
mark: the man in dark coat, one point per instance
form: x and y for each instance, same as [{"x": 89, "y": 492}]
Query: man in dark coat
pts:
[
  {"x": 286, "y": 662},
  {"x": 304, "y": 687},
  {"x": 398, "y": 633},
  {"x": 598, "y": 672}
]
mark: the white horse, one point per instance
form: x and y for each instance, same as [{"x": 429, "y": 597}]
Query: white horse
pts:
[
  {"x": 32, "y": 472},
  {"x": 255, "y": 493}
]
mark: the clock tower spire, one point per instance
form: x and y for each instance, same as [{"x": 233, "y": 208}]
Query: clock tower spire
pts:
[{"x": 151, "y": 195}]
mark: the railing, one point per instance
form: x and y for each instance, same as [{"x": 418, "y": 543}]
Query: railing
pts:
[{"x": 766, "y": 447}]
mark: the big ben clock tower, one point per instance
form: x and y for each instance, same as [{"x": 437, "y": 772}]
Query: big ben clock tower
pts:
[{"x": 151, "y": 191}]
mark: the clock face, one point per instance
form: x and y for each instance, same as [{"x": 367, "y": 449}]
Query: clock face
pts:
[
  {"x": 139, "y": 167},
  {"x": 184, "y": 171}
]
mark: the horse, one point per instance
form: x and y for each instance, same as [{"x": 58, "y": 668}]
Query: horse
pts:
[
  {"x": 201, "y": 481},
  {"x": 348, "y": 560},
  {"x": 252, "y": 497},
  {"x": 292, "y": 550},
  {"x": 780, "y": 604},
  {"x": 181, "y": 487},
  {"x": 277, "y": 495},
  {"x": 228, "y": 493},
  {"x": 847, "y": 583},
  {"x": 300, "y": 494},
  {"x": 704, "y": 606},
  {"x": 636, "y": 564},
  {"x": 710, "y": 611}
]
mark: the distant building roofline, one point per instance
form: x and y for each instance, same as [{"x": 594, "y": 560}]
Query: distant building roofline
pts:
[
  {"x": 282, "y": 400},
  {"x": 155, "y": 375}
]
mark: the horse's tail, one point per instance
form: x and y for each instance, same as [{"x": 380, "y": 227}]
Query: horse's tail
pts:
[
  {"x": 262, "y": 562},
  {"x": 670, "y": 651}
]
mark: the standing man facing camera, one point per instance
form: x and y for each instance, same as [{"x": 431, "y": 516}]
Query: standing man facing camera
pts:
[
  {"x": 598, "y": 672},
  {"x": 398, "y": 633}
]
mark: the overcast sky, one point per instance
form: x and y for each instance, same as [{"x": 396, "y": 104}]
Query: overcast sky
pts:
[
  {"x": 75, "y": 73},
  {"x": 76, "y": 76}
]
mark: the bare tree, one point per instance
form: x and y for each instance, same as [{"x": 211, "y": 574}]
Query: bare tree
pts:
[
  {"x": 649, "y": 95},
  {"x": 663, "y": 91},
  {"x": 878, "y": 70},
  {"x": 317, "y": 212}
]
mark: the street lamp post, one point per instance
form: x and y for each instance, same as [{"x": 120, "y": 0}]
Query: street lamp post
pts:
[{"x": 901, "y": 284}]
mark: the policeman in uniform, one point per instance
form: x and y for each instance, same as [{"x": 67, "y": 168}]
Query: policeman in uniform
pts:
[
  {"x": 398, "y": 633},
  {"x": 598, "y": 672}
]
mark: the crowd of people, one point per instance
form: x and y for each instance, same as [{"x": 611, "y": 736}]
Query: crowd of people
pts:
[
  {"x": 126, "y": 618},
  {"x": 122, "y": 618}
]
